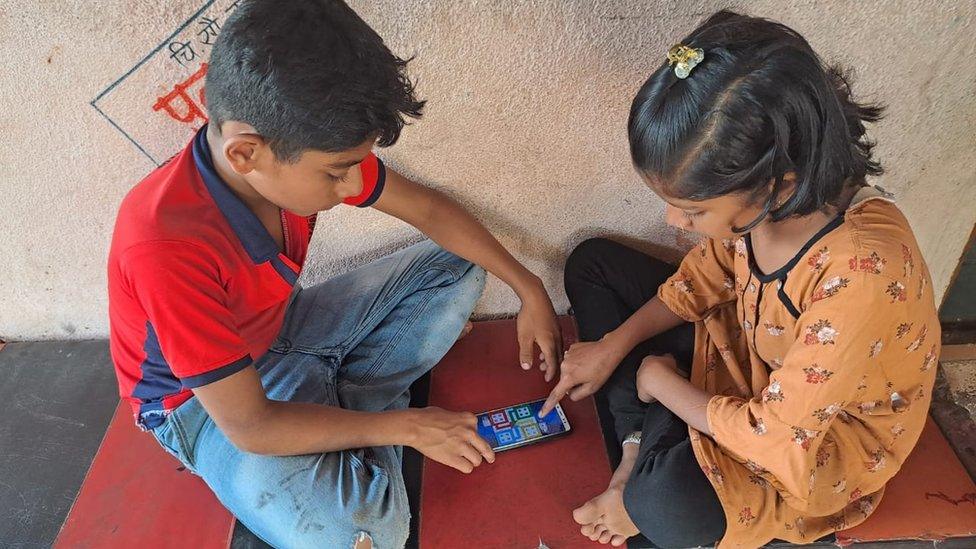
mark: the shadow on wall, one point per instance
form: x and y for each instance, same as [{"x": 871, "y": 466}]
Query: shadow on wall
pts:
[{"x": 527, "y": 245}]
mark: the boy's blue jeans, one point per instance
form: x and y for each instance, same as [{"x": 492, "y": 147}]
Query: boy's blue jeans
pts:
[{"x": 357, "y": 341}]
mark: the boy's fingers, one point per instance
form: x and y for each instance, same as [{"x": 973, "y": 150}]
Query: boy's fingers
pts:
[
  {"x": 525, "y": 352},
  {"x": 483, "y": 448},
  {"x": 549, "y": 351},
  {"x": 459, "y": 463},
  {"x": 469, "y": 453},
  {"x": 559, "y": 343}
]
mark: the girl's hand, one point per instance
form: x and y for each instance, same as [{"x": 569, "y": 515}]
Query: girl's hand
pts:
[
  {"x": 586, "y": 367},
  {"x": 649, "y": 375},
  {"x": 658, "y": 378},
  {"x": 537, "y": 325}
]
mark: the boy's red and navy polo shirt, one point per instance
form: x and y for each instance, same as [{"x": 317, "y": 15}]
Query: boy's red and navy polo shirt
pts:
[{"x": 197, "y": 285}]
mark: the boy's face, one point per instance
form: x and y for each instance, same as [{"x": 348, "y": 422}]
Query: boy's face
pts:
[
  {"x": 712, "y": 218},
  {"x": 317, "y": 181}
]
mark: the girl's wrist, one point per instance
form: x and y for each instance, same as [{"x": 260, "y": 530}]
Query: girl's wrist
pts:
[{"x": 618, "y": 343}]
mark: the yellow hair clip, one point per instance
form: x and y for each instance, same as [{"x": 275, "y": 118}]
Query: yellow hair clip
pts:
[{"x": 684, "y": 59}]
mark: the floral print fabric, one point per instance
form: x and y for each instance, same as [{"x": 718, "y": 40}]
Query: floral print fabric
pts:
[{"x": 822, "y": 373}]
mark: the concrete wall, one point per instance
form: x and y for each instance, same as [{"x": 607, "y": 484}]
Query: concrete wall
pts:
[{"x": 528, "y": 102}]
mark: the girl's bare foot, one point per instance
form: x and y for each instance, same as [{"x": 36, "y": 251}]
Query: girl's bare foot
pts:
[{"x": 604, "y": 518}]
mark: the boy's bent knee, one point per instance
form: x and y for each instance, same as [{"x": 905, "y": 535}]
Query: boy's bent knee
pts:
[
  {"x": 376, "y": 524},
  {"x": 471, "y": 284}
]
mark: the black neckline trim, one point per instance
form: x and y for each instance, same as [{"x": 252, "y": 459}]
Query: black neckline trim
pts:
[{"x": 780, "y": 274}]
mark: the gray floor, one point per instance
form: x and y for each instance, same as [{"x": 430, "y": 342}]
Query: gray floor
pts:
[
  {"x": 56, "y": 399},
  {"x": 960, "y": 302}
]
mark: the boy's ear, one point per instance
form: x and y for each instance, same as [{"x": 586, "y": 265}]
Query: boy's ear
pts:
[
  {"x": 243, "y": 148},
  {"x": 243, "y": 152}
]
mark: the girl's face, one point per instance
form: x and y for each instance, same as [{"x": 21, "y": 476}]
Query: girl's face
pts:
[{"x": 712, "y": 218}]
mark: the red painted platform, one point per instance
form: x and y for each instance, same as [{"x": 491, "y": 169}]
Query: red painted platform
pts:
[
  {"x": 529, "y": 493},
  {"x": 135, "y": 495},
  {"x": 931, "y": 498}
]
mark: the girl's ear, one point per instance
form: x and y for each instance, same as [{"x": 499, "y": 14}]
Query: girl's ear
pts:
[{"x": 786, "y": 189}]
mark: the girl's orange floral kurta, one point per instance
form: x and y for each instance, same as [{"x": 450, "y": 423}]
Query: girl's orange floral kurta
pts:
[{"x": 823, "y": 371}]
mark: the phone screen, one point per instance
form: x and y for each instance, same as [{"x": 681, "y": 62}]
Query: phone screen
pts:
[{"x": 514, "y": 426}]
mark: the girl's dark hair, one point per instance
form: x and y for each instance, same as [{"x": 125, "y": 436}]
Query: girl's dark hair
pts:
[
  {"x": 308, "y": 74},
  {"x": 760, "y": 105}
]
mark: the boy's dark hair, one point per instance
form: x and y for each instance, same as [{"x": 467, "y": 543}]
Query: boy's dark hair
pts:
[
  {"x": 308, "y": 74},
  {"x": 761, "y": 104}
]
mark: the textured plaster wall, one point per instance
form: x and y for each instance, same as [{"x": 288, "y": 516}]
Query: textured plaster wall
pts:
[{"x": 525, "y": 125}]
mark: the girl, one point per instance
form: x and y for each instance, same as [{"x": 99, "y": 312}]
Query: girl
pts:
[{"x": 815, "y": 335}]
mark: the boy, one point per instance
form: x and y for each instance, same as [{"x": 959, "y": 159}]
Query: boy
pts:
[{"x": 292, "y": 404}]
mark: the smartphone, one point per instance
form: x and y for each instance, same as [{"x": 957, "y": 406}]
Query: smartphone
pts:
[{"x": 519, "y": 425}]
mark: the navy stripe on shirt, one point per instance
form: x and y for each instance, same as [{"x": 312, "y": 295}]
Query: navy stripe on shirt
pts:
[{"x": 217, "y": 374}]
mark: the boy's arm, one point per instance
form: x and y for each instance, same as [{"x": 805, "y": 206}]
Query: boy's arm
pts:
[
  {"x": 451, "y": 226},
  {"x": 178, "y": 285},
  {"x": 256, "y": 424}
]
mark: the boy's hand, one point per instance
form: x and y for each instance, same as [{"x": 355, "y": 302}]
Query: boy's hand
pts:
[
  {"x": 586, "y": 367},
  {"x": 448, "y": 437},
  {"x": 537, "y": 325}
]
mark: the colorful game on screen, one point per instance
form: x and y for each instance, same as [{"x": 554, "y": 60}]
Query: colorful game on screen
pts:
[{"x": 518, "y": 425}]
